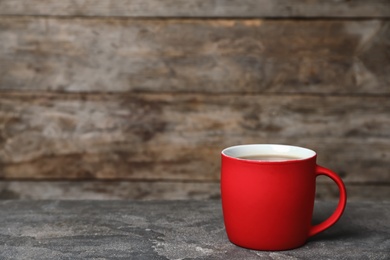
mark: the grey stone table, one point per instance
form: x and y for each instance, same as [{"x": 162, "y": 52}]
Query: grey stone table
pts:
[{"x": 172, "y": 230}]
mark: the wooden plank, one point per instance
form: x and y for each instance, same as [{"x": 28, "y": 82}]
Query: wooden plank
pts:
[
  {"x": 218, "y": 56},
  {"x": 140, "y": 190},
  {"x": 180, "y": 136},
  {"x": 199, "y": 8},
  {"x": 107, "y": 190}
]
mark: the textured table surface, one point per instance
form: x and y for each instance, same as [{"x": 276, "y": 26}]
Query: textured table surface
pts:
[{"x": 172, "y": 230}]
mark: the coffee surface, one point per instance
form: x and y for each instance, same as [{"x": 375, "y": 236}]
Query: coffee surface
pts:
[{"x": 269, "y": 157}]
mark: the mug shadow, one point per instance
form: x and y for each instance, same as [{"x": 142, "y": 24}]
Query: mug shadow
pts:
[
  {"x": 344, "y": 229},
  {"x": 337, "y": 234}
]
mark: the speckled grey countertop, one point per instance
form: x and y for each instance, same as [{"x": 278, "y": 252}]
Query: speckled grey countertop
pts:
[{"x": 172, "y": 230}]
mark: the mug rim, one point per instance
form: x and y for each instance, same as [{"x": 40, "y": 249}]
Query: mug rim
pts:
[{"x": 279, "y": 149}]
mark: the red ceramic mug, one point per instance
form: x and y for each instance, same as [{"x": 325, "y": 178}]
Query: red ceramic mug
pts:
[{"x": 268, "y": 201}]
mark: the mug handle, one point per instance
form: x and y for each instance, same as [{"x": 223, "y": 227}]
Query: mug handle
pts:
[{"x": 340, "y": 207}]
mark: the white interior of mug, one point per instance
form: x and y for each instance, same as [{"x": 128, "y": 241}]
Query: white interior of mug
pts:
[{"x": 296, "y": 152}]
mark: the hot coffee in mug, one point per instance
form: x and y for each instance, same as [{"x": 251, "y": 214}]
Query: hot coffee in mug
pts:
[
  {"x": 269, "y": 157},
  {"x": 268, "y": 194}
]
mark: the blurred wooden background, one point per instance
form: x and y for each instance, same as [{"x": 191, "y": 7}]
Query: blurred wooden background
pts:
[{"x": 133, "y": 99}]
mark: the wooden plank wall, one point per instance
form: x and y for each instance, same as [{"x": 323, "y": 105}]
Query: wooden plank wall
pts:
[{"x": 131, "y": 99}]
